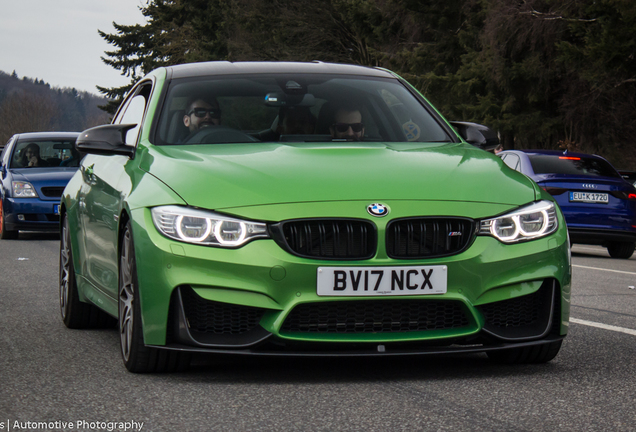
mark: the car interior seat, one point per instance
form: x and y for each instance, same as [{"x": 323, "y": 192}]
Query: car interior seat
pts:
[{"x": 177, "y": 131}]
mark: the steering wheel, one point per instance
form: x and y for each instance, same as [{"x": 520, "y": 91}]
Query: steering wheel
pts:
[{"x": 218, "y": 135}]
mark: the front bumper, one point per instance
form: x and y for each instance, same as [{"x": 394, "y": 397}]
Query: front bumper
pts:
[
  {"x": 262, "y": 277},
  {"x": 31, "y": 214}
]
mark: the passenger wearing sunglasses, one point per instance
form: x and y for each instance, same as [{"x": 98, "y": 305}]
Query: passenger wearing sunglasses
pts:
[
  {"x": 200, "y": 113},
  {"x": 347, "y": 125}
]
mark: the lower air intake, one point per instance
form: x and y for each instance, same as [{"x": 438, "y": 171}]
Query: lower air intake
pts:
[{"x": 382, "y": 316}]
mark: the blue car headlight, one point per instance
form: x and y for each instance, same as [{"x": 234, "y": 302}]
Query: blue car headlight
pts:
[
  {"x": 23, "y": 190},
  {"x": 196, "y": 226},
  {"x": 526, "y": 223}
]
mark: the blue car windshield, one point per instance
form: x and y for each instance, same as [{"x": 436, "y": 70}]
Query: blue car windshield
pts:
[
  {"x": 45, "y": 153},
  {"x": 572, "y": 165},
  {"x": 294, "y": 108}
]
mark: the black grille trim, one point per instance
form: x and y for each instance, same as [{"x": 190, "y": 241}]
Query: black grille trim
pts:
[
  {"x": 207, "y": 316},
  {"x": 52, "y": 191},
  {"x": 428, "y": 237},
  {"x": 328, "y": 239},
  {"x": 376, "y": 316},
  {"x": 525, "y": 317},
  {"x": 196, "y": 321}
]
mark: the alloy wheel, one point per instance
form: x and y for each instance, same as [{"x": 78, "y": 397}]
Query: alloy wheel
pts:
[
  {"x": 126, "y": 294},
  {"x": 65, "y": 268}
]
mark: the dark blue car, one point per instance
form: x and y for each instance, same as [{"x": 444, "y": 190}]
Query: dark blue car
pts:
[
  {"x": 598, "y": 204},
  {"x": 34, "y": 169}
]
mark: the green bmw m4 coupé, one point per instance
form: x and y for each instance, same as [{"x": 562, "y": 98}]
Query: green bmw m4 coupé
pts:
[{"x": 306, "y": 209}]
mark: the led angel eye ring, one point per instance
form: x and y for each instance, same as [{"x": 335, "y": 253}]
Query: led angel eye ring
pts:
[{"x": 208, "y": 228}]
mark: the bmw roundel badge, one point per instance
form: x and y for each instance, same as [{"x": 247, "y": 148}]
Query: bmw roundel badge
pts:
[{"x": 377, "y": 209}]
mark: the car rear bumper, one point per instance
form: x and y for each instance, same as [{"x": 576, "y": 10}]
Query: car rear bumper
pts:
[{"x": 595, "y": 236}]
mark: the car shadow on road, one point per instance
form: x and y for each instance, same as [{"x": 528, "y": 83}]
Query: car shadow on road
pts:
[{"x": 272, "y": 370}]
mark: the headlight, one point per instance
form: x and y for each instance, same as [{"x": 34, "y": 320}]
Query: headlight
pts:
[
  {"x": 527, "y": 223},
  {"x": 204, "y": 227},
  {"x": 23, "y": 190}
]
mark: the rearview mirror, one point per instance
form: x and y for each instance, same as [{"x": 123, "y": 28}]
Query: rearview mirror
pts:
[
  {"x": 476, "y": 134},
  {"x": 278, "y": 99},
  {"x": 106, "y": 140}
]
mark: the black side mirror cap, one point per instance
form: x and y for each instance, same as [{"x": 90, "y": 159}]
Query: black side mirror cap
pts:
[
  {"x": 478, "y": 135},
  {"x": 106, "y": 140}
]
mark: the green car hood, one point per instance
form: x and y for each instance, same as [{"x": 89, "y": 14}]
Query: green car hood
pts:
[{"x": 235, "y": 175}]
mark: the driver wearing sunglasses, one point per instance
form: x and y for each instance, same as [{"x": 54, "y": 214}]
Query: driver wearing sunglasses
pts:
[
  {"x": 200, "y": 113},
  {"x": 347, "y": 125}
]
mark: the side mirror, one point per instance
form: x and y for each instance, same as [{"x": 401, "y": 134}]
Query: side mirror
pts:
[
  {"x": 476, "y": 134},
  {"x": 106, "y": 140}
]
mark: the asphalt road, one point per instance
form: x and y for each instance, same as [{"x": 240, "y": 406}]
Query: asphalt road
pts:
[{"x": 51, "y": 374}]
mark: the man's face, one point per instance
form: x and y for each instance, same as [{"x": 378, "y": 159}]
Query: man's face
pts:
[
  {"x": 200, "y": 115},
  {"x": 348, "y": 125}
]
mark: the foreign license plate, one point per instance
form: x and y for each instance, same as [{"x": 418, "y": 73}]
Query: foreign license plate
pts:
[
  {"x": 381, "y": 281},
  {"x": 56, "y": 209},
  {"x": 589, "y": 197}
]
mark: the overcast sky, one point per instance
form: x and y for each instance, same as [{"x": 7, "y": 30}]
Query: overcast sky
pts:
[{"x": 57, "y": 40}]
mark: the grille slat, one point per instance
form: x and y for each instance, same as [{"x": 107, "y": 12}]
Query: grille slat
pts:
[
  {"x": 428, "y": 237},
  {"x": 381, "y": 316},
  {"x": 329, "y": 238}
]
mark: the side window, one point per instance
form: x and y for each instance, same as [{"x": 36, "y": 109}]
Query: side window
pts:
[
  {"x": 134, "y": 113},
  {"x": 512, "y": 160}
]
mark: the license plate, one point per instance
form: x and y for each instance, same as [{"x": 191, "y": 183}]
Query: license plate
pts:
[
  {"x": 589, "y": 197},
  {"x": 381, "y": 281},
  {"x": 56, "y": 209}
]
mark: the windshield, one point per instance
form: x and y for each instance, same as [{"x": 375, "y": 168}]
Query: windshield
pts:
[
  {"x": 45, "y": 153},
  {"x": 571, "y": 165},
  {"x": 294, "y": 108}
]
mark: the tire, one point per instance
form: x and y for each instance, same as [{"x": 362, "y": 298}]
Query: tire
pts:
[
  {"x": 622, "y": 250},
  {"x": 531, "y": 354},
  {"x": 138, "y": 357},
  {"x": 4, "y": 233},
  {"x": 75, "y": 313}
]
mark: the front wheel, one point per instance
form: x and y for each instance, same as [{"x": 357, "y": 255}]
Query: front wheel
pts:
[
  {"x": 137, "y": 356},
  {"x": 4, "y": 233},
  {"x": 531, "y": 354},
  {"x": 623, "y": 250}
]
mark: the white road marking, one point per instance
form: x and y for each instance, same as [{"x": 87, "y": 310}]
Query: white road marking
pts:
[
  {"x": 602, "y": 269},
  {"x": 603, "y": 326},
  {"x": 592, "y": 249}
]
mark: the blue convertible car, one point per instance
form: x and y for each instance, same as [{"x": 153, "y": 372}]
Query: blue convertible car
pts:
[
  {"x": 34, "y": 169},
  {"x": 598, "y": 204}
]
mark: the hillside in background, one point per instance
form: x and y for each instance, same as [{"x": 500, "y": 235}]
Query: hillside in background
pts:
[{"x": 32, "y": 105}]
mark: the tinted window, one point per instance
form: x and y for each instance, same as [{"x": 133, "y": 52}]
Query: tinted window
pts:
[
  {"x": 548, "y": 164},
  {"x": 295, "y": 108},
  {"x": 38, "y": 154}
]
